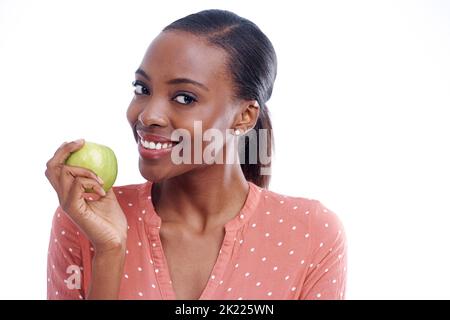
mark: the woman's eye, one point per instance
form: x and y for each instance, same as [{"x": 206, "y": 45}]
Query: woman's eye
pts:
[
  {"x": 184, "y": 99},
  {"x": 139, "y": 88}
]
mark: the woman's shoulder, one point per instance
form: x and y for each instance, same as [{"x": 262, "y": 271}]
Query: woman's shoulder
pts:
[{"x": 314, "y": 213}]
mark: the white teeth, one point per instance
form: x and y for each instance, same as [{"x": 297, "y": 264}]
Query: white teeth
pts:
[{"x": 155, "y": 145}]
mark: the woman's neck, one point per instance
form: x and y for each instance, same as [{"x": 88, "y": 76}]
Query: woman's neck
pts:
[{"x": 202, "y": 199}]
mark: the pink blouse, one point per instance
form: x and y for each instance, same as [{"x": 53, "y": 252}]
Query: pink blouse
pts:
[{"x": 277, "y": 247}]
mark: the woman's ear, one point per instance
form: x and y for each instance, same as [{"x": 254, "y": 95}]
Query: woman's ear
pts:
[{"x": 247, "y": 116}]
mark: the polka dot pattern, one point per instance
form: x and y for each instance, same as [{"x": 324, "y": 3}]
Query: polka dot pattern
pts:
[{"x": 276, "y": 247}]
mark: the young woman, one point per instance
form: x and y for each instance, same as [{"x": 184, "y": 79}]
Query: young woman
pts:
[{"x": 197, "y": 230}]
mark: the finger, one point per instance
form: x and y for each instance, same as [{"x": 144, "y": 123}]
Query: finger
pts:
[
  {"x": 63, "y": 152},
  {"x": 75, "y": 203},
  {"x": 70, "y": 173}
]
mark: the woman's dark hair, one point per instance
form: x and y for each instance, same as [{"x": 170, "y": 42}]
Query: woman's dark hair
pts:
[{"x": 253, "y": 65}]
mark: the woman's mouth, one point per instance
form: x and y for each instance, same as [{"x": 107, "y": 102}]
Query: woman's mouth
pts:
[{"x": 154, "y": 147}]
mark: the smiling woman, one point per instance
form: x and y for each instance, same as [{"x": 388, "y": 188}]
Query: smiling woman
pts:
[{"x": 197, "y": 229}]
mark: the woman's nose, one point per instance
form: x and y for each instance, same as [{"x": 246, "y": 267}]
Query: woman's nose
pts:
[{"x": 153, "y": 115}]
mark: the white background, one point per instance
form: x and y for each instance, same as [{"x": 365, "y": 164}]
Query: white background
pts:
[{"x": 360, "y": 111}]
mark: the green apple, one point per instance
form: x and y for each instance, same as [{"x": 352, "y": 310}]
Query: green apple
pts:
[{"x": 98, "y": 158}]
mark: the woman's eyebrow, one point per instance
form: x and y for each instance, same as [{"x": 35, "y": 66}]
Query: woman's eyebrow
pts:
[{"x": 174, "y": 81}]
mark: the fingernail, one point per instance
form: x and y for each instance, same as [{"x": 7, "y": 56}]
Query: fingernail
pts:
[
  {"x": 103, "y": 192},
  {"x": 79, "y": 141},
  {"x": 100, "y": 180}
]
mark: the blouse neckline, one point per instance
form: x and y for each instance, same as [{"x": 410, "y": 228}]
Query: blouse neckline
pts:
[{"x": 250, "y": 204}]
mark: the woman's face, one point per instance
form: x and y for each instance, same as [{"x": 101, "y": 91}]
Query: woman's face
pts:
[{"x": 161, "y": 104}]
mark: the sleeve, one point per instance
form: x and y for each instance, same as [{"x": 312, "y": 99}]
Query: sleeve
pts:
[
  {"x": 64, "y": 260},
  {"x": 327, "y": 272}
]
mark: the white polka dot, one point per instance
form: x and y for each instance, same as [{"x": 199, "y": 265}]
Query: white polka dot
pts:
[
  {"x": 90, "y": 198},
  {"x": 267, "y": 234},
  {"x": 91, "y": 248},
  {"x": 258, "y": 284},
  {"x": 252, "y": 250},
  {"x": 141, "y": 294},
  {"x": 120, "y": 192},
  {"x": 154, "y": 244},
  {"x": 325, "y": 210},
  {"x": 143, "y": 211},
  {"x": 240, "y": 298},
  {"x": 302, "y": 262},
  {"x": 340, "y": 256},
  {"x": 240, "y": 241},
  {"x": 229, "y": 289},
  {"x": 293, "y": 288},
  {"x": 267, "y": 212},
  {"x": 236, "y": 265},
  {"x": 264, "y": 259},
  {"x": 63, "y": 232},
  {"x": 153, "y": 286},
  {"x": 286, "y": 278},
  {"x": 126, "y": 276},
  {"x": 326, "y": 270},
  {"x": 149, "y": 197},
  {"x": 128, "y": 227},
  {"x": 56, "y": 292},
  {"x": 59, "y": 215},
  {"x": 139, "y": 269},
  {"x": 127, "y": 252},
  {"x": 139, "y": 243},
  {"x": 318, "y": 295},
  {"x": 275, "y": 268},
  {"x": 242, "y": 216},
  {"x": 326, "y": 225},
  {"x": 295, "y": 207},
  {"x": 279, "y": 243},
  {"x": 247, "y": 274},
  {"x": 151, "y": 261},
  {"x": 48, "y": 279},
  {"x": 130, "y": 204},
  {"x": 291, "y": 252},
  {"x": 307, "y": 235},
  {"x": 281, "y": 201},
  {"x": 253, "y": 225},
  {"x": 221, "y": 281},
  {"x": 334, "y": 281},
  {"x": 78, "y": 233},
  {"x": 294, "y": 227},
  {"x": 213, "y": 276},
  {"x": 80, "y": 296},
  {"x": 307, "y": 212},
  {"x": 311, "y": 265},
  {"x": 70, "y": 249},
  {"x": 156, "y": 270},
  {"x": 269, "y": 293},
  {"x": 280, "y": 221},
  {"x": 321, "y": 245},
  {"x": 140, "y": 219}
]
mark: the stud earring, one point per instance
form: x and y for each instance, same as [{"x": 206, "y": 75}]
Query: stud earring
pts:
[{"x": 237, "y": 132}]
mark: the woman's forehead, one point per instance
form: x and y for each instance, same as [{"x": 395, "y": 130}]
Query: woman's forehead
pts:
[{"x": 181, "y": 54}]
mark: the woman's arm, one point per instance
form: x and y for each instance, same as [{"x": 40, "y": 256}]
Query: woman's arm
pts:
[
  {"x": 327, "y": 270},
  {"x": 107, "y": 270}
]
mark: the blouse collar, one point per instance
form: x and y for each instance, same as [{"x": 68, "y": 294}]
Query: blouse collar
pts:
[{"x": 249, "y": 207}]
